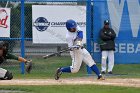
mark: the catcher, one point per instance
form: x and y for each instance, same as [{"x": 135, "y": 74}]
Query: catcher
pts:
[{"x": 4, "y": 55}]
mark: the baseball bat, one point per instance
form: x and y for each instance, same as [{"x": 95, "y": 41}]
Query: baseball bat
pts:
[{"x": 55, "y": 54}]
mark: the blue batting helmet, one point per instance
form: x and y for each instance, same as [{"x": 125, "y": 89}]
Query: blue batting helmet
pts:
[{"x": 71, "y": 24}]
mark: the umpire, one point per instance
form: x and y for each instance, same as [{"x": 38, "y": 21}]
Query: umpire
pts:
[
  {"x": 4, "y": 54},
  {"x": 107, "y": 46}
]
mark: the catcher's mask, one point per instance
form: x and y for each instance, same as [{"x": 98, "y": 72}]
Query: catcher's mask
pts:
[
  {"x": 4, "y": 44},
  {"x": 1, "y": 44}
]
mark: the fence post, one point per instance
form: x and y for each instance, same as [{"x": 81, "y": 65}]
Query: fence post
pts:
[
  {"x": 88, "y": 29},
  {"x": 22, "y": 35}
]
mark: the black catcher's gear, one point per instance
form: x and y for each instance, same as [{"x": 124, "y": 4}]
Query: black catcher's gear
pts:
[{"x": 8, "y": 76}]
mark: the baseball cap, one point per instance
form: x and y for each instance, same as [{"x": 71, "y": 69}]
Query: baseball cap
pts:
[{"x": 106, "y": 22}]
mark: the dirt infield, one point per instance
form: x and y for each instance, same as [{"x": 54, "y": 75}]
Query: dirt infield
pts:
[{"x": 73, "y": 81}]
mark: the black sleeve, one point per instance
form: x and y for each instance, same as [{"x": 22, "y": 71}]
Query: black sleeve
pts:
[
  {"x": 113, "y": 35},
  {"x": 103, "y": 36},
  {"x": 12, "y": 56}
]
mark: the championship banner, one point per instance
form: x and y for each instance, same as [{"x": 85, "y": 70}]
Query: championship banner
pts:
[
  {"x": 49, "y": 22},
  {"x": 5, "y": 22}
]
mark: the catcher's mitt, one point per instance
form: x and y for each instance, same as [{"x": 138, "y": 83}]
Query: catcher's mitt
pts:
[{"x": 28, "y": 66}]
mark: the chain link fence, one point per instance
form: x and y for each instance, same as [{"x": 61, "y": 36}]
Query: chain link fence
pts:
[
  {"x": 36, "y": 51},
  {"x": 33, "y": 51},
  {"x": 14, "y": 40}
]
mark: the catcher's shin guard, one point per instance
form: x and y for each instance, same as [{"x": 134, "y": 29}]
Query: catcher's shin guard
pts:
[
  {"x": 8, "y": 76},
  {"x": 58, "y": 74}
]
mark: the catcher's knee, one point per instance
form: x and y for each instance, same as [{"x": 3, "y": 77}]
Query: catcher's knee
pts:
[{"x": 8, "y": 76}]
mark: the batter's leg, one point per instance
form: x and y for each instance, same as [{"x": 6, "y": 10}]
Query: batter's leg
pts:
[
  {"x": 91, "y": 63},
  {"x": 76, "y": 56},
  {"x": 76, "y": 64}
]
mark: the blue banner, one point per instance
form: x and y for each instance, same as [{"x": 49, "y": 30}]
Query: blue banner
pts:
[{"x": 124, "y": 16}]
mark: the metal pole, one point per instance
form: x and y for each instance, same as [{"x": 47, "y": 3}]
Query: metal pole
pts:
[
  {"x": 7, "y": 4},
  {"x": 88, "y": 30},
  {"x": 22, "y": 35}
]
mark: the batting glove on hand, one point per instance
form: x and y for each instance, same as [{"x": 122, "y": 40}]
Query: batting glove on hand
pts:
[
  {"x": 28, "y": 66},
  {"x": 74, "y": 47}
]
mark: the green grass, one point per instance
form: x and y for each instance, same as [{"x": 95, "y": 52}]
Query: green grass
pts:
[
  {"x": 45, "y": 68},
  {"x": 71, "y": 89}
]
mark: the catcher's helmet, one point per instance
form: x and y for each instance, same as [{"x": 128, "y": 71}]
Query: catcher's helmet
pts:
[
  {"x": 71, "y": 24},
  {"x": 1, "y": 44},
  {"x": 4, "y": 44}
]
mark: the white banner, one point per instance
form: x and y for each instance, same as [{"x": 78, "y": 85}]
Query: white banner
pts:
[
  {"x": 5, "y": 22},
  {"x": 49, "y": 22}
]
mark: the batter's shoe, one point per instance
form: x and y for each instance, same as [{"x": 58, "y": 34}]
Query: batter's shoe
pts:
[
  {"x": 101, "y": 77},
  {"x": 58, "y": 73}
]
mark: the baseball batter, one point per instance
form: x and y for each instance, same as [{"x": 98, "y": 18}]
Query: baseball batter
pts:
[{"x": 78, "y": 53}]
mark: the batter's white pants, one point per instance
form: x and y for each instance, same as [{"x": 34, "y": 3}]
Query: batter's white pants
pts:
[
  {"x": 110, "y": 56},
  {"x": 79, "y": 55}
]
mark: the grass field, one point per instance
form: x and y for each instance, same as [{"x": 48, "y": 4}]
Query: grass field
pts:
[
  {"x": 69, "y": 89},
  {"x": 45, "y": 69}
]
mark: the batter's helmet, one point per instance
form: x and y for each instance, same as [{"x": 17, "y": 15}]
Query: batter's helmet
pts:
[{"x": 71, "y": 24}]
